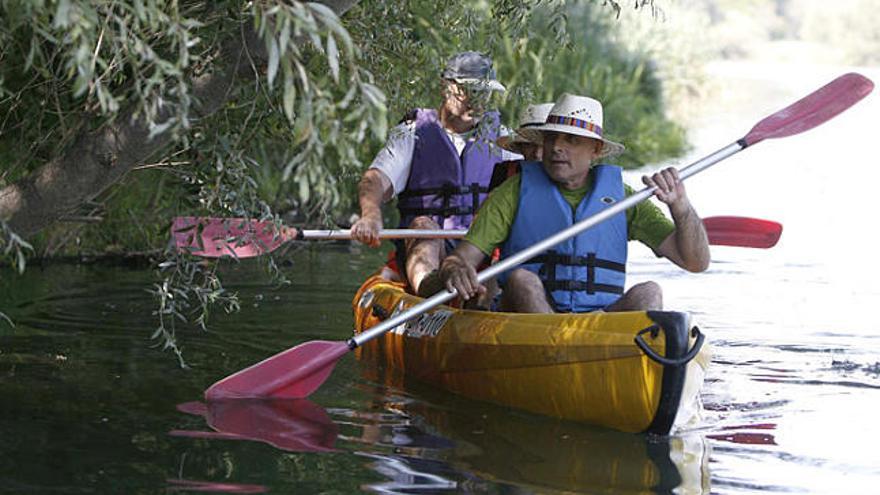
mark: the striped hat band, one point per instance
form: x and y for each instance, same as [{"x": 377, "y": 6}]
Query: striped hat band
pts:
[{"x": 573, "y": 122}]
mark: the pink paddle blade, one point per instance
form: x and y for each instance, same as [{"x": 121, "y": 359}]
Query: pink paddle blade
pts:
[
  {"x": 742, "y": 231},
  {"x": 214, "y": 238},
  {"x": 291, "y": 374},
  {"x": 814, "y": 109}
]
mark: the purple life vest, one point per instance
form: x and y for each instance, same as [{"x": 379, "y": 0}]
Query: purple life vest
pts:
[{"x": 443, "y": 185}]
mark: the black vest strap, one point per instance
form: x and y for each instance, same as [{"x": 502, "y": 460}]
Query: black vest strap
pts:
[
  {"x": 578, "y": 286},
  {"x": 447, "y": 211},
  {"x": 551, "y": 259},
  {"x": 590, "y": 260},
  {"x": 447, "y": 191}
]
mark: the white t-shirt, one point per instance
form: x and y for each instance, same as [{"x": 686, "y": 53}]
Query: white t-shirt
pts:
[{"x": 395, "y": 158}]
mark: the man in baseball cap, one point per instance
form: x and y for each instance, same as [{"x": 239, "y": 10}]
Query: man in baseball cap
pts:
[{"x": 438, "y": 163}]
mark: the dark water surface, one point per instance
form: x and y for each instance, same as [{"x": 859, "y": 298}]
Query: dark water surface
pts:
[{"x": 89, "y": 407}]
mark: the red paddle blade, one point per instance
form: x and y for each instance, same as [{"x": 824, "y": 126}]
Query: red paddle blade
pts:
[
  {"x": 819, "y": 106},
  {"x": 291, "y": 374},
  {"x": 217, "y": 237},
  {"x": 742, "y": 231}
]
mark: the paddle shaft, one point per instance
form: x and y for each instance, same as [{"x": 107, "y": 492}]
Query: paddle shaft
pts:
[
  {"x": 383, "y": 234},
  {"x": 737, "y": 229},
  {"x": 526, "y": 254}
]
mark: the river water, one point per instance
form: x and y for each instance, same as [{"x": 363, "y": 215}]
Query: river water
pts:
[{"x": 88, "y": 406}]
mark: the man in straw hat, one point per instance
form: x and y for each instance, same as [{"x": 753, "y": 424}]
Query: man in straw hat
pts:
[
  {"x": 587, "y": 272},
  {"x": 438, "y": 163},
  {"x": 518, "y": 142}
]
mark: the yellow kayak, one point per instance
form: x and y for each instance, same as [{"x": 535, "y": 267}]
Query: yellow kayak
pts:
[{"x": 581, "y": 367}]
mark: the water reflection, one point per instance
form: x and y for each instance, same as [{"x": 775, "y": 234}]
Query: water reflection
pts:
[
  {"x": 294, "y": 425},
  {"x": 734, "y": 434},
  {"x": 421, "y": 447},
  {"x": 177, "y": 485}
]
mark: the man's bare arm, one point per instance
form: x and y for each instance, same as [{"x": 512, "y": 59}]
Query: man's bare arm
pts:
[
  {"x": 373, "y": 190},
  {"x": 688, "y": 245}
]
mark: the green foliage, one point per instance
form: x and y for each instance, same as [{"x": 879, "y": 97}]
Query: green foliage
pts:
[
  {"x": 12, "y": 248},
  {"x": 537, "y": 70},
  {"x": 188, "y": 291}
]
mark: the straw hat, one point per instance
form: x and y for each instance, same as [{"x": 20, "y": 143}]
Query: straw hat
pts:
[
  {"x": 578, "y": 115},
  {"x": 535, "y": 115}
]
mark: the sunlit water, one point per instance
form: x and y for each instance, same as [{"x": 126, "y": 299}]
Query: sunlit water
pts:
[{"x": 88, "y": 406}]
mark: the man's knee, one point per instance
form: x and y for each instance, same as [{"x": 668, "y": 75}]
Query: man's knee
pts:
[
  {"x": 522, "y": 279},
  {"x": 649, "y": 289},
  {"x": 524, "y": 293},
  {"x": 423, "y": 222},
  {"x": 646, "y": 295}
]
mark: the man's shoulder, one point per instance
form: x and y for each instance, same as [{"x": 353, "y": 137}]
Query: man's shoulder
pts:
[{"x": 412, "y": 115}]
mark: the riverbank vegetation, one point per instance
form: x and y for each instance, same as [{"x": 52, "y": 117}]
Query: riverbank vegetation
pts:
[{"x": 119, "y": 117}]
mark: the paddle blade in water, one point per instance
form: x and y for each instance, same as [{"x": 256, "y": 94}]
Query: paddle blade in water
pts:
[
  {"x": 742, "y": 231},
  {"x": 291, "y": 374},
  {"x": 816, "y": 108},
  {"x": 217, "y": 237}
]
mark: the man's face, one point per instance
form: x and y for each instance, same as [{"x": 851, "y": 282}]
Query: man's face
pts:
[
  {"x": 567, "y": 158},
  {"x": 464, "y": 102}
]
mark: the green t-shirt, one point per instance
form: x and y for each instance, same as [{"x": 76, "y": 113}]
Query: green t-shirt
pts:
[{"x": 645, "y": 222}]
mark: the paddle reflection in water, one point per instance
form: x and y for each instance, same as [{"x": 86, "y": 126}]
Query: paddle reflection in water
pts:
[
  {"x": 296, "y": 425},
  {"x": 455, "y": 446}
]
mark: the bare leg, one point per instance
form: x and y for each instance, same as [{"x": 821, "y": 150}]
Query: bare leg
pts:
[
  {"x": 423, "y": 255},
  {"x": 646, "y": 296},
  {"x": 484, "y": 301},
  {"x": 524, "y": 293}
]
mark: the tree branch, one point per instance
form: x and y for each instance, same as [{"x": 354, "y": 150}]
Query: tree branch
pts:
[{"x": 98, "y": 159}]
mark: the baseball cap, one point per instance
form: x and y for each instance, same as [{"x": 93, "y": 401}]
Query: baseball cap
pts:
[{"x": 472, "y": 68}]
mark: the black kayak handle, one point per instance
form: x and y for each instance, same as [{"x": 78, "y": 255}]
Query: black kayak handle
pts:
[{"x": 651, "y": 353}]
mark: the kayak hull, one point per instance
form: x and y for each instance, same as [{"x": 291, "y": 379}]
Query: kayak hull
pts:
[{"x": 579, "y": 367}]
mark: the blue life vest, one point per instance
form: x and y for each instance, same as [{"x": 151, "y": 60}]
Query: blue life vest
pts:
[
  {"x": 588, "y": 271},
  {"x": 442, "y": 184}
]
